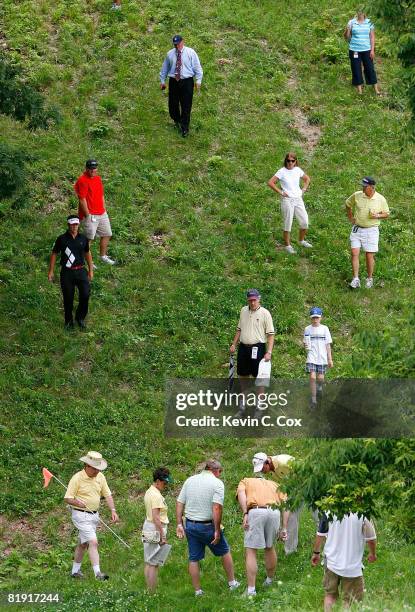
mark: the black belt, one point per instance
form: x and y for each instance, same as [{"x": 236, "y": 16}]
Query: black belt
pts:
[
  {"x": 251, "y": 345},
  {"x": 262, "y": 508},
  {"x": 203, "y": 522},
  {"x": 87, "y": 511},
  {"x": 73, "y": 268}
]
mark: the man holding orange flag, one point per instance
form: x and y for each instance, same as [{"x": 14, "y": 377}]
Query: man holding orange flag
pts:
[{"x": 83, "y": 495}]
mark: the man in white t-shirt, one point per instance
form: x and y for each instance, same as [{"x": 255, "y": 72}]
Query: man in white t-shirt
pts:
[
  {"x": 292, "y": 203},
  {"x": 317, "y": 341},
  {"x": 343, "y": 551}
]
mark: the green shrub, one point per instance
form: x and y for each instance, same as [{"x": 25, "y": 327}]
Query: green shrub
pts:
[
  {"x": 12, "y": 170},
  {"x": 99, "y": 130},
  {"x": 332, "y": 51},
  {"x": 22, "y": 101}
]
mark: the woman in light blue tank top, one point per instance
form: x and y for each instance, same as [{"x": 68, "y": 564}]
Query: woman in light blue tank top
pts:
[{"x": 360, "y": 33}]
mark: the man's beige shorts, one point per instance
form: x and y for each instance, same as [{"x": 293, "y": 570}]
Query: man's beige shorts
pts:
[
  {"x": 153, "y": 553},
  {"x": 263, "y": 526},
  {"x": 291, "y": 207},
  {"x": 352, "y": 587},
  {"x": 86, "y": 524},
  {"x": 96, "y": 225}
]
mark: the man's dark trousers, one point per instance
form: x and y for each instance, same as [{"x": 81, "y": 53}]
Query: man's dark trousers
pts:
[
  {"x": 69, "y": 280},
  {"x": 180, "y": 101}
]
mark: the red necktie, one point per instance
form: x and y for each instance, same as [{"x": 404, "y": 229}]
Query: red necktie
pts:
[{"x": 178, "y": 65}]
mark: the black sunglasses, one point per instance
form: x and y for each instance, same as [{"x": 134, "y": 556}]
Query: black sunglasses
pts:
[{"x": 291, "y": 160}]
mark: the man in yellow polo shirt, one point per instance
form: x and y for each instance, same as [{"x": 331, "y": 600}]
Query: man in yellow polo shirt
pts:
[
  {"x": 259, "y": 500},
  {"x": 364, "y": 210},
  {"x": 83, "y": 495},
  {"x": 255, "y": 334}
]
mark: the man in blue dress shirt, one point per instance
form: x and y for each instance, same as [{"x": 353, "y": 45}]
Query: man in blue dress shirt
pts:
[{"x": 181, "y": 65}]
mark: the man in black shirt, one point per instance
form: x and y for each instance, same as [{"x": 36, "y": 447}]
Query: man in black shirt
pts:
[{"x": 74, "y": 249}]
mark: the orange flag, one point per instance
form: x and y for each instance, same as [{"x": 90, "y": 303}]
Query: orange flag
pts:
[{"x": 47, "y": 476}]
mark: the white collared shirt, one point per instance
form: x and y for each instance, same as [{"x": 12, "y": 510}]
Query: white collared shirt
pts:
[{"x": 190, "y": 65}]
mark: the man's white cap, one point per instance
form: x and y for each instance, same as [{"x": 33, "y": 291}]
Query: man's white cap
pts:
[
  {"x": 95, "y": 460},
  {"x": 258, "y": 461}
]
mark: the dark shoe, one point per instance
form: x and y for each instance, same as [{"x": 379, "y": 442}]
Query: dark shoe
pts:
[
  {"x": 185, "y": 133},
  {"x": 69, "y": 326},
  {"x": 101, "y": 576},
  {"x": 81, "y": 324},
  {"x": 77, "y": 575}
]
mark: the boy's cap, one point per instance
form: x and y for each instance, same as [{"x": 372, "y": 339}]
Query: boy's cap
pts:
[
  {"x": 252, "y": 293},
  {"x": 368, "y": 180},
  {"x": 91, "y": 164},
  {"x": 316, "y": 312},
  {"x": 177, "y": 39}
]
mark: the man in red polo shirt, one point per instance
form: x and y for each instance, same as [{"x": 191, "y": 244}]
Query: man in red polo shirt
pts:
[{"x": 92, "y": 213}]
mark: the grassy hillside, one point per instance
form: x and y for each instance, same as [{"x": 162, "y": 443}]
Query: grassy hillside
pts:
[{"x": 194, "y": 225}]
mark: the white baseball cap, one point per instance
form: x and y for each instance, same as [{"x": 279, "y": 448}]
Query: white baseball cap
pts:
[{"x": 258, "y": 461}]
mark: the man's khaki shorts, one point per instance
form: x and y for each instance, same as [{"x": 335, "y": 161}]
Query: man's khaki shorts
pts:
[
  {"x": 352, "y": 588},
  {"x": 96, "y": 225},
  {"x": 263, "y": 526}
]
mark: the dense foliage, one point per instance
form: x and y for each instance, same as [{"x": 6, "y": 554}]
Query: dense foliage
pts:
[
  {"x": 398, "y": 17},
  {"x": 22, "y": 101},
  {"x": 12, "y": 172},
  {"x": 365, "y": 476}
]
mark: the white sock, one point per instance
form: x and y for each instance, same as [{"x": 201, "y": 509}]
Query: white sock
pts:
[
  {"x": 96, "y": 569},
  {"x": 76, "y": 567},
  {"x": 251, "y": 590},
  {"x": 268, "y": 580}
]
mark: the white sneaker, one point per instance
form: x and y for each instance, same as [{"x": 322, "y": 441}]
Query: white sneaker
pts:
[
  {"x": 355, "y": 284},
  {"x": 306, "y": 244},
  {"x": 290, "y": 250},
  {"x": 107, "y": 260},
  {"x": 268, "y": 583},
  {"x": 234, "y": 586},
  {"x": 199, "y": 593},
  {"x": 369, "y": 283}
]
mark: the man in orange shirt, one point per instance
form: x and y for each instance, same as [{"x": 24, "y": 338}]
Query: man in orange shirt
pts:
[
  {"x": 92, "y": 213},
  {"x": 259, "y": 499}
]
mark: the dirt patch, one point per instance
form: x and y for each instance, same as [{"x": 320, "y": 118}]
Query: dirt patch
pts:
[
  {"x": 3, "y": 41},
  {"x": 159, "y": 239},
  {"x": 310, "y": 134},
  {"x": 222, "y": 61},
  {"x": 20, "y": 530}
]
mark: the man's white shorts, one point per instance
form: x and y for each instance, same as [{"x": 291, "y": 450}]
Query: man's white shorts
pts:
[
  {"x": 86, "y": 524},
  {"x": 96, "y": 225},
  {"x": 291, "y": 207},
  {"x": 366, "y": 238}
]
